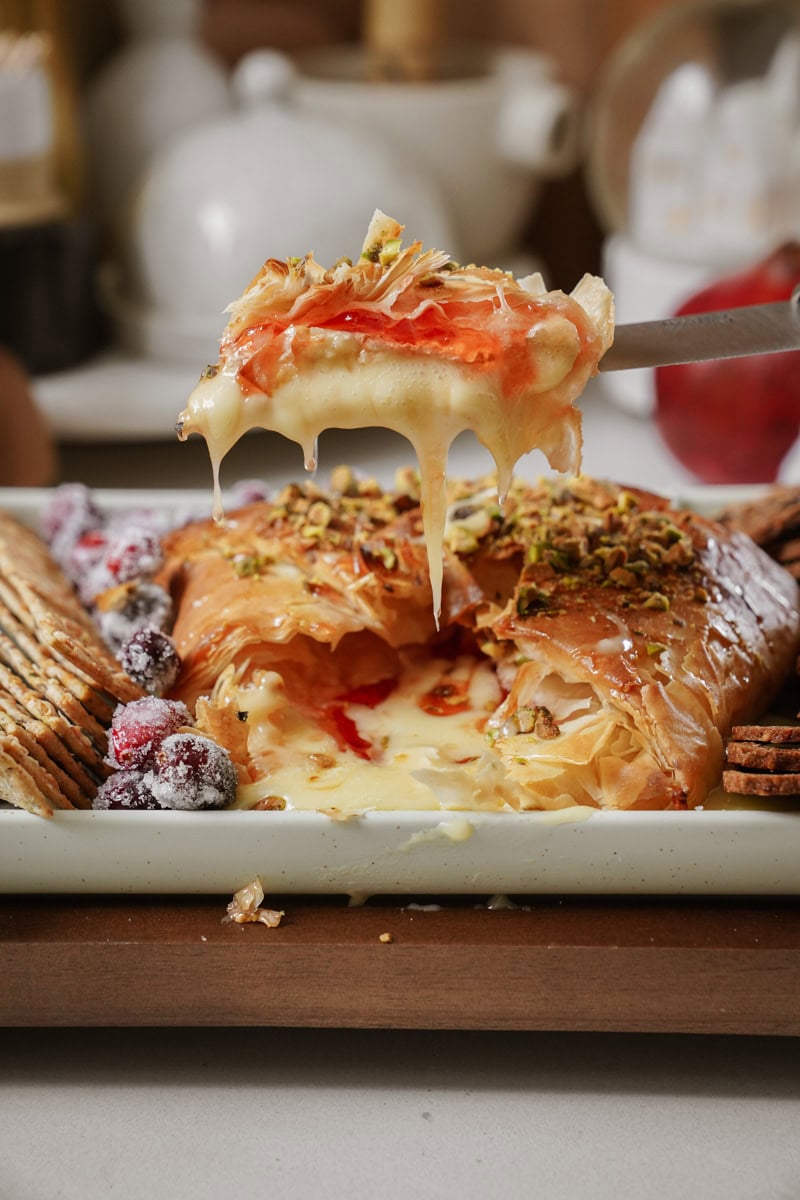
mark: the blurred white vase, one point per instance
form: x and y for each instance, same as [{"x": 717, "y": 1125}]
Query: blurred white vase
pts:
[
  {"x": 162, "y": 83},
  {"x": 266, "y": 181}
]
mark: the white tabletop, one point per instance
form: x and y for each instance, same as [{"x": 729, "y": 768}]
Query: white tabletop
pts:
[
  {"x": 210, "y": 1115},
  {"x": 291, "y": 1114}
]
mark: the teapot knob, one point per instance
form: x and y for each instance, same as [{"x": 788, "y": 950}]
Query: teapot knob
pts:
[{"x": 261, "y": 77}]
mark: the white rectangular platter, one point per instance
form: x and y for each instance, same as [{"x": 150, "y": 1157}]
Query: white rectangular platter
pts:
[
  {"x": 575, "y": 851},
  {"x": 662, "y": 853}
]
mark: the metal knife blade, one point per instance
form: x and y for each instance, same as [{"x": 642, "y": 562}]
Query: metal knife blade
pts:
[{"x": 732, "y": 333}]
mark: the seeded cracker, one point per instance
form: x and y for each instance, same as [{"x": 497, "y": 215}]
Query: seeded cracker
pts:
[
  {"x": 100, "y": 706},
  {"x": 24, "y": 786},
  {"x": 59, "y": 683},
  {"x": 74, "y": 780},
  {"x": 48, "y": 686}
]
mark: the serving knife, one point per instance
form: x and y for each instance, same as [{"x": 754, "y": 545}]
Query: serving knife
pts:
[{"x": 731, "y": 333}]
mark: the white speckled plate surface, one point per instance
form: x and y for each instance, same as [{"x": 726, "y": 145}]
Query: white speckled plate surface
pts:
[{"x": 431, "y": 852}]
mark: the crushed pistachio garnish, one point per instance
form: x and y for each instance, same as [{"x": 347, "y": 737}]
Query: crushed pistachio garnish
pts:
[
  {"x": 248, "y": 565},
  {"x": 531, "y": 599},
  {"x": 538, "y": 720}
]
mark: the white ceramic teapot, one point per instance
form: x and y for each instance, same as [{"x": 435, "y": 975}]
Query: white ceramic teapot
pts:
[
  {"x": 266, "y": 181},
  {"x": 162, "y": 82},
  {"x": 302, "y": 164}
]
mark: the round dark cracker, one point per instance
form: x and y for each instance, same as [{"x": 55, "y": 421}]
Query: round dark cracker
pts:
[
  {"x": 771, "y": 516},
  {"x": 761, "y": 783},
  {"x": 773, "y": 734},
  {"x": 758, "y": 756}
]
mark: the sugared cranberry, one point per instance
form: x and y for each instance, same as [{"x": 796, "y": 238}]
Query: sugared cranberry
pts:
[
  {"x": 138, "y": 729},
  {"x": 133, "y": 553},
  {"x": 84, "y": 563},
  {"x": 150, "y": 658},
  {"x": 69, "y": 514},
  {"x": 192, "y": 772},
  {"x": 125, "y": 789},
  {"x": 137, "y": 605}
]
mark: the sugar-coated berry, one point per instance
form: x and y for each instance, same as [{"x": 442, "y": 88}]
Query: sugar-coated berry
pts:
[
  {"x": 192, "y": 772},
  {"x": 125, "y": 789},
  {"x": 138, "y": 729},
  {"x": 134, "y": 552},
  {"x": 150, "y": 658},
  {"x": 84, "y": 563},
  {"x": 140, "y": 605},
  {"x": 69, "y": 514}
]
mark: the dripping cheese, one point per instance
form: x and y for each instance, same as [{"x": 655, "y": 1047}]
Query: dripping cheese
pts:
[{"x": 406, "y": 340}]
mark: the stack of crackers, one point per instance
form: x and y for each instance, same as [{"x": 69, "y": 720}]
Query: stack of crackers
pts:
[
  {"x": 59, "y": 682},
  {"x": 773, "y": 522},
  {"x": 763, "y": 760}
]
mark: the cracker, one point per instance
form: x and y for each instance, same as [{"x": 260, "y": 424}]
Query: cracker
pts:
[
  {"x": 758, "y": 783},
  {"x": 86, "y": 775},
  {"x": 99, "y": 706},
  {"x": 760, "y": 757},
  {"x": 42, "y": 710},
  {"x": 40, "y": 775},
  {"x": 24, "y": 787},
  {"x": 50, "y": 688},
  {"x": 59, "y": 682},
  {"x": 769, "y": 518},
  {"x": 76, "y": 793},
  {"x": 773, "y": 734}
]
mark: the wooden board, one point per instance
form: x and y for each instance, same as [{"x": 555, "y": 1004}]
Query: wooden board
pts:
[{"x": 692, "y": 966}]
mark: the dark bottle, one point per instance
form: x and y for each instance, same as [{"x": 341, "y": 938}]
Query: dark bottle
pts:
[{"x": 48, "y": 314}]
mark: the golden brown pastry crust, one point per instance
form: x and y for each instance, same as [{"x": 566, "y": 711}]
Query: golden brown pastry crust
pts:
[{"x": 656, "y": 630}]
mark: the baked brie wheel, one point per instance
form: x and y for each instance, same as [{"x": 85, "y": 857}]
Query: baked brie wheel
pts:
[
  {"x": 595, "y": 646},
  {"x": 407, "y": 340}
]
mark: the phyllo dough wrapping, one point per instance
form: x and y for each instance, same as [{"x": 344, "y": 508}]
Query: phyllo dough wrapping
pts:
[{"x": 595, "y": 645}]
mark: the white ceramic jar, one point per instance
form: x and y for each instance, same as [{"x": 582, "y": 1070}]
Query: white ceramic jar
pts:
[
  {"x": 267, "y": 181},
  {"x": 160, "y": 84}
]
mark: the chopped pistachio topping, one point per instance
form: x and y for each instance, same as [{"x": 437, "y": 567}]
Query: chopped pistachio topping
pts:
[
  {"x": 247, "y": 565},
  {"x": 390, "y": 251},
  {"x": 531, "y": 599}
]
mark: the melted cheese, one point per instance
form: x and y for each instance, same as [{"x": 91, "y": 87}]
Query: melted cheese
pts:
[
  {"x": 418, "y": 759},
  {"x": 438, "y": 740},
  {"x": 311, "y": 378}
]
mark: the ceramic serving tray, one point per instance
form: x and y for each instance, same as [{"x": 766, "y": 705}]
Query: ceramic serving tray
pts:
[{"x": 713, "y": 850}]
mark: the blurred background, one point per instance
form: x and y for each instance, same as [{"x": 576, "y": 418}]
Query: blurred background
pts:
[{"x": 154, "y": 152}]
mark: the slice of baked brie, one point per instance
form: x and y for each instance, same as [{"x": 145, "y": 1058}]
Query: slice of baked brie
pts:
[
  {"x": 595, "y": 646},
  {"x": 407, "y": 340}
]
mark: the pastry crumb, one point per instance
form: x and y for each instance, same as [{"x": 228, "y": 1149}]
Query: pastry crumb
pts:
[{"x": 245, "y": 907}]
